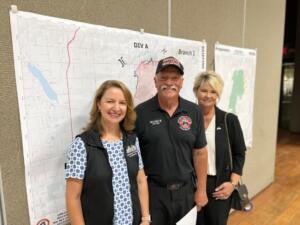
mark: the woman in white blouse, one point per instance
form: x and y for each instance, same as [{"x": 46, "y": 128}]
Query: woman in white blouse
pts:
[{"x": 221, "y": 178}]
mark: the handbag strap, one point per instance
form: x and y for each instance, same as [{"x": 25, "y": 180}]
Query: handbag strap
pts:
[
  {"x": 229, "y": 146},
  {"x": 228, "y": 141}
]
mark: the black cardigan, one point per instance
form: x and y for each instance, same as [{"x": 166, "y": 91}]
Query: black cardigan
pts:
[{"x": 237, "y": 143}]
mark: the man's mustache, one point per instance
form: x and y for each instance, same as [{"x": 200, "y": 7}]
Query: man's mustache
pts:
[{"x": 168, "y": 87}]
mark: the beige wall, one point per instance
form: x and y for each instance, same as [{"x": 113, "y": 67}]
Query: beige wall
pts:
[
  {"x": 264, "y": 31},
  {"x": 214, "y": 20}
]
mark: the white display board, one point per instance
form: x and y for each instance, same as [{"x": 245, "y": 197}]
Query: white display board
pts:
[
  {"x": 59, "y": 64},
  {"x": 237, "y": 67}
]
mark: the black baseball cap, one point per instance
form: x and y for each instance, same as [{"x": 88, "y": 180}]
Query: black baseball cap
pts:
[{"x": 169, "y": 61}]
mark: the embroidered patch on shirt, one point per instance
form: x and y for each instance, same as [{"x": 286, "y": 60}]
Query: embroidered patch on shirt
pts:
[
  {"x": 184, "y": 122},
  {"x": 131, "y": 151}
]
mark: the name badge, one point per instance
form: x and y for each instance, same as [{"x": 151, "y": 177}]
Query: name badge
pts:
[{"x": 155, "y": 122}]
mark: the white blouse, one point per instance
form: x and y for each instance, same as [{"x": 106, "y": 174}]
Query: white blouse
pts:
[{"x": 211, "y": 145}]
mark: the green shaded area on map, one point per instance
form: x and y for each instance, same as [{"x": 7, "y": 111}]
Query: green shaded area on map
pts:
[{"x": 237, "y": 90}]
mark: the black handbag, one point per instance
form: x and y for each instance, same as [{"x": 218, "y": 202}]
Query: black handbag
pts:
[
  {"x": 240, "y": 199},
  {"x": 239, "y": 196}
]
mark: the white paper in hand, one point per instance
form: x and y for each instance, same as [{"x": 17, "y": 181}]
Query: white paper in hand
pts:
[{"x": 190, "y": 218}]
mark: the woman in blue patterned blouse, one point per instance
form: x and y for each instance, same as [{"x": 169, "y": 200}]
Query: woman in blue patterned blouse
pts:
[{"x": 105, "y": 179}]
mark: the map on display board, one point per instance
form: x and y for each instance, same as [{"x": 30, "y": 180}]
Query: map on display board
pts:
[
  {"x": 59, "y": 64},
  {"x": 237, "y": 67}
]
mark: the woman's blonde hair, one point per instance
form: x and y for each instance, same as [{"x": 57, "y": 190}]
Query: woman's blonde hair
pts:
[
  {"x": 212, "y": 78},
  {"x": 128, "y": 123}
]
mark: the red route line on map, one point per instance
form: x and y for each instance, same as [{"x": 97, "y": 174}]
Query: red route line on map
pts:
[{"x": 67, "y": 77}]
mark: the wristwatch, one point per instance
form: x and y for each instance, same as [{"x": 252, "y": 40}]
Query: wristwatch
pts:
[{"x": 146, "y": 219}]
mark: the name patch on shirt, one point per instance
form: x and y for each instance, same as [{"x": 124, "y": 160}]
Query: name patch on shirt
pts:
[
  {"x": 155, "y": 122},
  {"x": 184, "y": 122},
  {"x": 131, "y": 151}
]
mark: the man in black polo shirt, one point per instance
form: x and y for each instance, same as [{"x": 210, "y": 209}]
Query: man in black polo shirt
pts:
[{"x": 173, "y": 146}]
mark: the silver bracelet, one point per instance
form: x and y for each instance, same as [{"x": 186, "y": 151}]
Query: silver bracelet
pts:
[{"x": 146, "y": 219}]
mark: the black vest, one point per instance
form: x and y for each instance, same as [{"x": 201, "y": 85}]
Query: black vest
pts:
[{"x": 97, "y": 197}]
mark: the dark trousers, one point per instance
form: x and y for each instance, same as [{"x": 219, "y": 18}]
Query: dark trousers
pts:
[
  {"x": 167, "y": 207},
  {"x": 216, "y": 211}
]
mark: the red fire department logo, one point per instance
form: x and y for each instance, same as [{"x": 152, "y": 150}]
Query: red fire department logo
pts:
[{"x": 184, "y": 122}]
